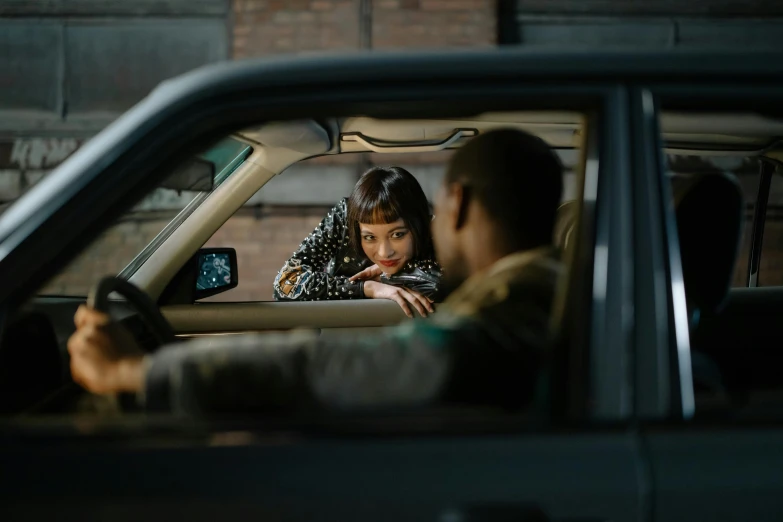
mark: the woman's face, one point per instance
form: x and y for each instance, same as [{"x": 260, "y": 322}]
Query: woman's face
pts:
[{"x": 389, "y": 245}]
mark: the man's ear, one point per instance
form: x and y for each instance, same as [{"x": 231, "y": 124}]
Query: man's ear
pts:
[
  {"x": 452, "y": 205},
  {"x": 461, "y": 197}
]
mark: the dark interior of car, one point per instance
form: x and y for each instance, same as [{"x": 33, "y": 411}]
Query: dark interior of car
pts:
[
  {"x": 736, "y": 336},
  {"x": 37, "y": 338}
]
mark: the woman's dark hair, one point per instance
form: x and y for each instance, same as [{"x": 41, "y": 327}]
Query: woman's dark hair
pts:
[{"x": 384, "y": 195}]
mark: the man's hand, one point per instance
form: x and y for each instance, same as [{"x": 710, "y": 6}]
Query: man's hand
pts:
[
  {"x": 371, "y": 273},
  {"x": 104, "y": 356},
  {"x": 402, "y": 296}
]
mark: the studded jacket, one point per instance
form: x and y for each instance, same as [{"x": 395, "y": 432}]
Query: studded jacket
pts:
[{"x": 322, "y": 265}]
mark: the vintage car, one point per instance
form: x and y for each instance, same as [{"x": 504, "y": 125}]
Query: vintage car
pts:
[{"x": 664, "y": 393}]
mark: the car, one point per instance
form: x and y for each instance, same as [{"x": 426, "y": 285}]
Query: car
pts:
[{"x": 621, "y": 432}]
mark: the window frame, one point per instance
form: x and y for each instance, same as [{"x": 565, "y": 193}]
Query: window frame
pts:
[
  {"x": 220, "y": 176},
  {"x": 604, "y": 98},
  {"x": 761, "y": 96}
]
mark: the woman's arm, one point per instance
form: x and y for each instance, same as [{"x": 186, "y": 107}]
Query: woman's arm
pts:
[
  {"x": 303, "y": 278},
  {"x": 422, "y": 276}
]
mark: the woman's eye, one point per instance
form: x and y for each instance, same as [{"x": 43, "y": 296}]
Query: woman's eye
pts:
[
  {"x": 368, "y": 238},
  {"x": 398, "y": 235}
]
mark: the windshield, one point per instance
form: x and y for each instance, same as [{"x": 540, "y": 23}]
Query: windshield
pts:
[{"x": 129, "y": 242}]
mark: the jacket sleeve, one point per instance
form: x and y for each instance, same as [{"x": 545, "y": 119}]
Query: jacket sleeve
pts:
[
  {"x": 421, "y": 276},
  {"x": 421, "y": 362},
  {"x": 303, "y": 276},
  {"x": 278, "y": 372}
]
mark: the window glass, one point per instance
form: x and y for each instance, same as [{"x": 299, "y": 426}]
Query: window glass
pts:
[
  {"x": 274, "y": 222},
  {"x": 285, "y": 211},
  {"x": 735, "y": 333},
  {"x": 771, "y": 262},
  {"x": 124, "y": 242}
]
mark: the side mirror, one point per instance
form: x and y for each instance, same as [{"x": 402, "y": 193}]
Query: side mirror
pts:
[
  {"x": 217, "y": 271},
  {"x": 209, "y": 272}
]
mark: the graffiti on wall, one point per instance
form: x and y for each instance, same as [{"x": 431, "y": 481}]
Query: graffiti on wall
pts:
[{"x": 36, "y": 153}]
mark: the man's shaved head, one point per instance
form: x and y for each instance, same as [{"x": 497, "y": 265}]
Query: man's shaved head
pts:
[
  {"x": 509, "y": 183},
  {"x": 518, "y": 180}
]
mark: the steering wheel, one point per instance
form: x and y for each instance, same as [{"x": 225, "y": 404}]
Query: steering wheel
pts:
[{"x": 141, "y": 303}]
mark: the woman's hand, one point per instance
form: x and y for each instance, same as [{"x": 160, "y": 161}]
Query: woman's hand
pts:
[
  {"x": 402, "y": 296},
  {"x": 371, "y": 273},
  {"x": 104, "y": 356}
]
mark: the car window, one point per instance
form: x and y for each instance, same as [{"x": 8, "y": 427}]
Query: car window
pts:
[
  {"x": 122, "y": 248},
  {"x": 217, "y": 321},
  {"x": 735, "y": 333},
  {"x": 275, "y": 221}
]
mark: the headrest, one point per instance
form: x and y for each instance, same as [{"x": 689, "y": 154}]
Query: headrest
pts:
[{"x": 709, "y": 209}]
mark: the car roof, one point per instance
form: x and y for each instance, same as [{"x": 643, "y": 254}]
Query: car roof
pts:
[{"x": 504, "y": 62}]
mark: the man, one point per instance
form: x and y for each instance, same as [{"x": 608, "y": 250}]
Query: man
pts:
[{"x": 492, "y": 232}]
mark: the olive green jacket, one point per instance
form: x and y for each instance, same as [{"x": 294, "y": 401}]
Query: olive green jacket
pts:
[{"x": 482, "y": 347}]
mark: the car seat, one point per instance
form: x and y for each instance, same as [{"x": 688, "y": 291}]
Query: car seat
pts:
[{"x": 709, "y": 210}]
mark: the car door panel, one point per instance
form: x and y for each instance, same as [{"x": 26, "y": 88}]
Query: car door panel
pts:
[
  {"x": 365, "y": 316},
  {"x": 717, "y": 473},
  {"x": 265, "y": 316},
  {"x": 328, "y": 318},
  {"x": 285, "y": 477}
]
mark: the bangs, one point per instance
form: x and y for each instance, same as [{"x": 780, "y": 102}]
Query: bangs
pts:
[
  {"x": 380, "y": 210},
  {"x": 384, "y": 195}
]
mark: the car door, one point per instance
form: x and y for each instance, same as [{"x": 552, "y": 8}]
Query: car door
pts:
[
  {"x": 716, "y": 454},
  {"x": 575, "y": 456}
]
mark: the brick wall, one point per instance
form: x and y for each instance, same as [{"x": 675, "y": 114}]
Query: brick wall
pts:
[
  {"x": 433, "y": 23},
  {"x": 107, "y": 255},
  {"x": 265, "y": 27}
]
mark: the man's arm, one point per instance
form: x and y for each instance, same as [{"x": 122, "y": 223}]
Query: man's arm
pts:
[
  {"x": 263, "y": 373},
  {"x": 230, "y": 374}
]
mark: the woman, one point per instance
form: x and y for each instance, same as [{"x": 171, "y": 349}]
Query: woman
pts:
[{"x": 375, "y": 244}]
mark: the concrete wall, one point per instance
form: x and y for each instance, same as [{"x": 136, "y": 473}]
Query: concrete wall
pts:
[
  {"x": 650, "y": 24},
  {"x": 72, "y": 66}
]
